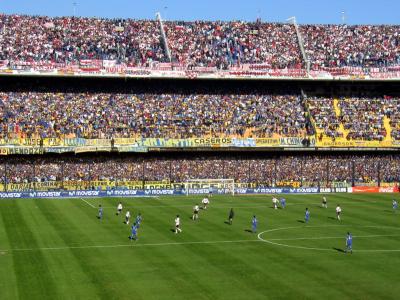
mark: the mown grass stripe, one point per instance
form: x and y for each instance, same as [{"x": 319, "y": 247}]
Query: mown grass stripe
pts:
[
  {"x": 97, "y": 278},
  {"x": 34, "y": 278}
]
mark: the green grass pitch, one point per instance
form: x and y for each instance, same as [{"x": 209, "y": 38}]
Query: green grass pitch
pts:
[{"x": 58, "y": 249}]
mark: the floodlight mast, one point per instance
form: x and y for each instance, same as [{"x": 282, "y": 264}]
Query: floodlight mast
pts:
[
  {"x": 164, "y": 36},
  {"x": 74, "y": 4},
  {"x": 301, "y": 43}
]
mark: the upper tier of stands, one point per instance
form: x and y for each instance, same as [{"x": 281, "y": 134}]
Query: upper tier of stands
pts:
[{"x": 203, "y": 43}]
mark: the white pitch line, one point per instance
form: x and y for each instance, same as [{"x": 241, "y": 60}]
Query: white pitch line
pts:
[
  {"x": 127, "y": 245},
  {"x": 244, "y": 206},
  {"x": 272, "y": 242},
  {"x": 333, "y": 237},
  {"x": 88, "y": 203}
]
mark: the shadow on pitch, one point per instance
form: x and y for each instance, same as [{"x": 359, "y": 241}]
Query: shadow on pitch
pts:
[
  {"x": 338, "y": 249},
  {"x": 301, "y": 221},
  {"x": 332, "y": 218},
  {"x": 248, "y": 230},
  {"x": 227, "y": 223}
]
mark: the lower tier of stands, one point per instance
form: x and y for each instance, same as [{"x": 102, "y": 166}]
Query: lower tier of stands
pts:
[{"x": 106, "y": 172}]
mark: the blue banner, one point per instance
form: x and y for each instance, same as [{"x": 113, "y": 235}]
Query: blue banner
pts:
[{"x": 155, "y": 192}]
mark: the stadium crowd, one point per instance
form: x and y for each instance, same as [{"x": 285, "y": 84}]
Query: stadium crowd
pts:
[
  {"x": 202, "y": 43},
  {"x": 391, "y": 110},
  {"x": 180, "y": 115},
  {"x": 363, "y": 118},
  {"x": 99, "y": 115},
  {"x": 70, "y": 39},
  {"x": 323, "y": 113},
  {"x": 225, "y": 44},
  {"x": 308, "y": 170},
  {"x": 351, "y": 46}
]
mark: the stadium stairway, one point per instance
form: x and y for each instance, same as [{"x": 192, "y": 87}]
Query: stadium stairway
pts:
[
  {"x": 386, "y": 124},
  {"x": 318, "y": 131},
  {"x": 341, "y": 128}
]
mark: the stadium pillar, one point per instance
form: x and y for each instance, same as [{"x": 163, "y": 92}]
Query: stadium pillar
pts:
[
  {"x": 327, "y": 172},
  {"x": 5, "y": 177},
  {"x": 62, "y": 174},
  {"x": 379, "y": 173},
  {"x": 90, "y": 175},
  {"x": 34, "y": 175},
  {"x": 116, "y": 179},
  {"x": 143, "y": 173},
  {"x": 352, "y": 173},
  {"x": 170, "y": 170},
  {"x": 249, "y": 170},
  {"x": 275, "y": 169},
  {"x": 301, "y": 170}
]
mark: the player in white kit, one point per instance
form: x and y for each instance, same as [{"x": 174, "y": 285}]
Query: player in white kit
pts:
[
  {"x": 324, "y": 202},
  {"x": 338, "y": 212},
  {"x": 177, "y": 224},
  {"x": 205, "y": 202},
  {"x": 275, "y": 202},
  {"x": 196, "y": 210},
  {"x": 127, "y": 217},
  {"x": 119, "y": 208}
]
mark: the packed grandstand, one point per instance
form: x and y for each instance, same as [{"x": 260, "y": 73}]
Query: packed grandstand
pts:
[
  {"x": 79, "y": 45},
  {"x": 64, "y": 135}
]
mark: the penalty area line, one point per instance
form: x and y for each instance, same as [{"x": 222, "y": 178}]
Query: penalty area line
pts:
[
  {"x": 88, "y": 203},
  {"x": 275, "y": 241},
  {"x": 333, "y": 237}
]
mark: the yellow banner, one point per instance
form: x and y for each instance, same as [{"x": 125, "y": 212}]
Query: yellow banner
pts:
[
  {"x": 268, "y": 142},
  {"x": 293, "y": 184},
  {"x": 103, "y": 184},
  {"x": 343, "y": 143},
  {"x": 56, "y": 145}
]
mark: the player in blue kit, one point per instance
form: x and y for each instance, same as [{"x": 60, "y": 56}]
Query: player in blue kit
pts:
[
  {"x": 349, "y": 243},
  {"x": 307, "y": 216},
  {"x": 138, "y": 220},
  {"x": 394, "y": 205},
  {"x": 100, "y": 212},
  {"x": 254, "y": 224},
  {"x": 133, "y": 235},
  {"x": 283, "y": 202}
]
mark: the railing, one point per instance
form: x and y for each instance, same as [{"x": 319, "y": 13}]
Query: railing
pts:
[
  {"x": 301, "y": 44},
  {"x": 163, "y": 36}
]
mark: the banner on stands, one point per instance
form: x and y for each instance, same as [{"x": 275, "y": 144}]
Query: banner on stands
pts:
[
  {"x": 149, "y": 192},
  {"x": 174, "y": 191},
  {"x": 60, "y": 145},
  {"x": 374, "y": 189},
  {"x": 343, "y": 143},
  {"x": 108, "y": 67}
]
